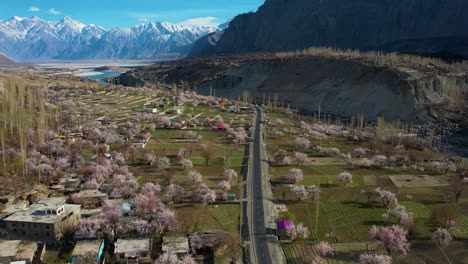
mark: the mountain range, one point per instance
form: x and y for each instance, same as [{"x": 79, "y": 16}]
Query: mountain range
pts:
[
  {"x": 33, "y": 39},
  {"x": 387, "y": 25}
]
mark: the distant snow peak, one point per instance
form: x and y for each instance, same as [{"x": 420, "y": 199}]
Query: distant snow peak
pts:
[{"x": 35, "y": 39}]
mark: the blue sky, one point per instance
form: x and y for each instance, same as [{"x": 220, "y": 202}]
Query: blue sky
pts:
[{"x": 125, "y": 13}]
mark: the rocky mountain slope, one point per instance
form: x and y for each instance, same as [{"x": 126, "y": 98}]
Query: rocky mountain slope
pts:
[
  {"x": 35, "y": 39},
  {"x": 388, "y": 25},
  {"x": 5, "y": 60},
  {"x": 346, "y": 87}
]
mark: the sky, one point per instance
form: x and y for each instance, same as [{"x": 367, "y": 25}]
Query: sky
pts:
[{"x": 125, "y": 13}]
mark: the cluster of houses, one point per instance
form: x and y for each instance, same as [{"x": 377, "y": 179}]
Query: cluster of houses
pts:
[{"x": 28, "y": 228}]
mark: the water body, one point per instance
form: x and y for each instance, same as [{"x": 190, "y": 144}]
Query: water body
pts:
[{"x": 99, "y": 76}]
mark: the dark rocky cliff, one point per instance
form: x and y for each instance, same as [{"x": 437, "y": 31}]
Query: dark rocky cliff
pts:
[{"x": 388, "y": 25}]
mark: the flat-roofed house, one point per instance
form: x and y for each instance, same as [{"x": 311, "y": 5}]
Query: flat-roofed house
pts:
[
  {"x": 88, "y": 248},
  {"x": 17, "y": 251},
  {"x": 137, "y": 250},
  {"x": 46, "y": 221}
]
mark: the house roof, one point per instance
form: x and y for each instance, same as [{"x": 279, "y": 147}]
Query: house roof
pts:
[
  {"x": 284, "y": 224},
  {"x": 175, "y": 244},
  {"x": 38, "y": 213},
  {"x": 18, "y": 250},
  {"x": 132, "y": 247},
  {"x": 87, "y": 246}
]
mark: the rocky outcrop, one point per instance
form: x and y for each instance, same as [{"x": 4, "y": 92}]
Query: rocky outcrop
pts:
[
  {"x": 5, "y": 60},
  {"x": 388, "y": 25},
  {"x": 342, "y": 87}
]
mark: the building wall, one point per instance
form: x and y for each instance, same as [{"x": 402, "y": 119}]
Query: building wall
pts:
[{"x": 42, "y": 231}]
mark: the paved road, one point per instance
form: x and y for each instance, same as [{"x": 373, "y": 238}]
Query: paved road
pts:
[{"x": 259, "y": 248}]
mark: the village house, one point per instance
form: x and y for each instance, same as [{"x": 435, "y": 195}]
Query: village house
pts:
[
  {"x": 47, "y": 221},
  {"x": 282, "y": 228},
  {"x": 17, "y": 251},
  {"x": 86, "y": 248},
  {"x": 177, "y": 244},
  {"x": 137, "y": 250},
  {"x": 91, "y": 199}
]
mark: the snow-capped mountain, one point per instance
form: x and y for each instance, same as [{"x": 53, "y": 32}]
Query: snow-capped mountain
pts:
[{"x": 32, "y": 38}]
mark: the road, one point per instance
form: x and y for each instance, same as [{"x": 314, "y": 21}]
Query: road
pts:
[{"x": 259, "y": 247}]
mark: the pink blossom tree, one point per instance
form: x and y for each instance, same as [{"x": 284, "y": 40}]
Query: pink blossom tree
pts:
[
  {"x": 146, "y": 205},
  {"x": 163, "y": 163},
  {"x": 90, "y": 227},
  {"x": 164, "y": 221},
  {"x": 442, "y": 237},
  {"x": 324, "y": 249},
  {"x": 149, "y": 158},
  {"x": 165, "y": 122},
  {"x": 295, "y": 175},
  {"x": 124, "y": 186},
  {"x": 173, "y": 193},
  {"x": 301, "y": 143},
  {"x": 313, "y": 192},
  {"x": 370, "y": 258},
  {"x": 230, "y": 173},
  {"x": 205, "y": 194},
  {"x": 279, "y": 122},
  {"x": 393, "y": 239},
  {"x": 186, "y": 164},
  {"x": 225, "y": 186},
  {"x": 298, "y": 231},
  {"x": 150, "y": 187},
  {"x": 345, "y": 177},
  {"x": 386, "y": 197},
  {"x": 301, "y": 158},
  {"x": 300, "y": 192},
  {"x": 195, "y": 177}
]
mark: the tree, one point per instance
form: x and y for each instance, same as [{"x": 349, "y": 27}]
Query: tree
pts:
[
  {"x": 145, "y": 206},
  {"x": 442, "y": 237},
  {"x": 298, "y": 231},
  {"x": 207, "y": 153},
  {"x": 195, "y": 177},
  {"x": 124, "y": 186},
  {"x": 173, "y": 193},
  {"x": 459, "y": 185},
  {"x": 393, "y": 239},
  {"x": 369, "y": 258},
  {"x": 167, "y": 258},
  {"x": 379, "y": 160},
  {"x": 280, "y": 155},
  {"x": 300, "y": 192},
  {"x": 358, "y": 152},
  {"x": 150, "y": 187},
  {"x": 324, "y": 249},
  {"x": 149, "y": 158},
  {"x": 229, "y": 173},
  {"x": 400, "y": 213},
  {"x": 301, "y": 143},
  {"x": 186, "y": 164},
  {"x": 386, "y": 197},
  {"x": 295, "y": 175},
  {"x": 345, "y": 177},
  {"x": 225, "y": 186},
  {"x": 369, "y": 193},
  {"x": 132, "y": 152},
  {"x": 90, "y": 227},
  {"x": 163, "y": 163},
  {"x": 279, "y": 122},
  {"x": 302, "y": 158},
  {"x": 313, "y": 192},
  {"x": 165, "y": 122},
  {"x": 205, "y": 195},
  {"x": 112, "y": 216},
  {"x": 445, "y": 216}
]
